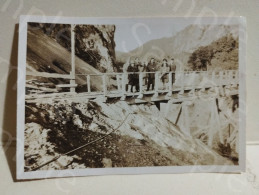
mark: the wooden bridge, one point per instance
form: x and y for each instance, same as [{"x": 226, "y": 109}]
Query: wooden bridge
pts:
[{"x": 186, "y": 86}]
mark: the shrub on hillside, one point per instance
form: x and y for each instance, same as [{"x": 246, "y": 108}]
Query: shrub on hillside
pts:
[{"x": 222, "y": 53}]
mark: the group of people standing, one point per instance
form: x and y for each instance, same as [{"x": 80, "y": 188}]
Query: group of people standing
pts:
[{"x": 149, "y": 69}]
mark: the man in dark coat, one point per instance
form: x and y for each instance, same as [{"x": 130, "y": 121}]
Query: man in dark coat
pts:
[
  {"x": 133, "y": 76},
  {"x": 151, "y": 67}
]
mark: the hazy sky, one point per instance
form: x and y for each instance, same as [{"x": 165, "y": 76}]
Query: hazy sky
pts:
[{"x": 131, "y": 36}]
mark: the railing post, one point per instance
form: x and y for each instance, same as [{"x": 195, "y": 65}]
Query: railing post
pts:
[
  {"x": 204, "y": 77},
  {"x": 182, "y": 83},
  {"x": 140, "y": 96},
  {"x": 221, "y": 83},
  {"x": 214, "y": 82},
  {"x": 88, "y": 83},
  {"x": 231, "y": 77},
  {"x": 156, "y": 83},
  {"x": 170, "y": 85},
  {"x": 232, "y": 82},
  {"x": 104, "y": 84},
  {"x": 236, "y": 77},
  {"x": 123, "y": 86},
  {"x": 118, "y": 82},
  {"x": 192, "y": 92},
  {"x": 221, "y": 78},
  {"x": 227, "y": 76},
  {"x": 224, "y": 80},
  {"x": 213, "y": 78},
  {"x": 141, "y": 82}
]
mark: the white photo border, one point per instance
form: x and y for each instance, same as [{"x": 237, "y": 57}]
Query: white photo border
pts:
[{"x": 21, "y": 174}]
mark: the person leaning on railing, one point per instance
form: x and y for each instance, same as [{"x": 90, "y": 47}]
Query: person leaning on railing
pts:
[{"x": 151, "y": 68}]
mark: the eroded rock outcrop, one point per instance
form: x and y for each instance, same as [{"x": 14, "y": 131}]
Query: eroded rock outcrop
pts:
[{"x": 95, "y": 44}]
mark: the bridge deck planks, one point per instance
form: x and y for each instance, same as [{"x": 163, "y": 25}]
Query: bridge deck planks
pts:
[{"x": 132, "y": 98}]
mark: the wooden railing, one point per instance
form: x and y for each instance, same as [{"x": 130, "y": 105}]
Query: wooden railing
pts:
[
  {"x": 183, "y": 80},
  {"x": 114, "y": 85},
  {"x": 187, "y": 80}
]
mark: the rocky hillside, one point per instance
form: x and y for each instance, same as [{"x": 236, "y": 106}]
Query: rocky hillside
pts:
[
  {"x": 146, "y": 138},
  {"x": 183, "y": 44}
]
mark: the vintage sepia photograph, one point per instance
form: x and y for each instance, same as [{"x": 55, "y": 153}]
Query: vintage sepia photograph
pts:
[{"x": 157, "y": 95}]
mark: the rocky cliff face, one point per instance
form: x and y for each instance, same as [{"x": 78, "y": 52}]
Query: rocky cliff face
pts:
[{"x": 94, "y": 44}]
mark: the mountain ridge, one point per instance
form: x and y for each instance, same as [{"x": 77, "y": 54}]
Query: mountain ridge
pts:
[{"x": 181, "y": 45}]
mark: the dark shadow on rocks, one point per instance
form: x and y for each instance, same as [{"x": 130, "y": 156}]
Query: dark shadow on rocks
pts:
[{"x": 10, "y": 110}]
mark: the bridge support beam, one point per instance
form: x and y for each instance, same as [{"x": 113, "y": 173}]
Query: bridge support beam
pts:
[
  {"x": 184, "y": 121},
  {"x": 214, "y": 123}
]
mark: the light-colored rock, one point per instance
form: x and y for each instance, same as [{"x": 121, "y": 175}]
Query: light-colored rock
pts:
[{"x": 107, "y": 162}]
